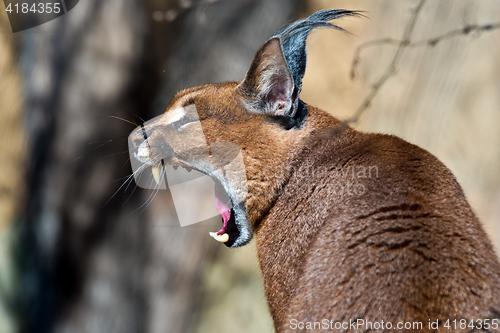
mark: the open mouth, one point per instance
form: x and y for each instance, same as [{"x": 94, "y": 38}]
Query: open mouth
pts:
[
  {"x": 222, "y": 163},
  {"x": 229, "y": 232},
  {"x": 175, "y": 139}
]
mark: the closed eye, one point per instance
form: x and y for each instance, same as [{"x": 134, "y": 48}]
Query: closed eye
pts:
[
  {"x": 180, "y": 117},
  {"x": 185, "y": 125}
]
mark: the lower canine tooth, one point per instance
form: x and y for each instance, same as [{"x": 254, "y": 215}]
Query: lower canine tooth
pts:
[
  {"x": 156, "y": 171},
  {"x": 222, "y": 238}
]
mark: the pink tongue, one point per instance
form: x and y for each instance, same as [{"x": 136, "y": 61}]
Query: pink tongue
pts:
[{"x": 225, "y": 212}]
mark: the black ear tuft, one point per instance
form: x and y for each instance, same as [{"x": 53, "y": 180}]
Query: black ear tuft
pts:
[
  {"x": 293, "y": 39},
  {"x": 274, "y": 79}
]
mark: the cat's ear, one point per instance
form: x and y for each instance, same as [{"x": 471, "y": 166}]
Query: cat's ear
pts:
[
  {"x": 274, "y": 80},
  {"x": 268, "y": 85}
]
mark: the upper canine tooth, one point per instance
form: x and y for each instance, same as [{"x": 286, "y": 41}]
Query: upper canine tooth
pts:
[
  {"x": 175, "y": 166},
  {"x": 222, "y": 238},
  {"x": 156, "y": 171}
]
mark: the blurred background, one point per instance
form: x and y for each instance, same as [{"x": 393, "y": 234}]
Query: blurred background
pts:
[{"x": 80, "y": 254}]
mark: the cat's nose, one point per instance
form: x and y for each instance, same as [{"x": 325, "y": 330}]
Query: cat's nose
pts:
[
  {"x": 138, "y": 137},
  {"x": 143, "y": 150}
]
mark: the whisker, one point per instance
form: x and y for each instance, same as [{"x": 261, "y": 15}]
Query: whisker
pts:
[
  {"x": 125, "y": 120},
  {"x": 115, "y": 154},
  {"x": 133, "y": 174},
  {"x": 125, "y": 182},
  {"x": 95, "y": 142},
  {"x": 130, "y": 196},
  {"x": 129, "y": 179},
  {"x": 126, "y": 177},
  {"x": 153, "y": 194},
  {"x": 146, "y": 202},
  {"x": 126, "y": 162},
  {"x": 100, "y": 144},
  {"x": 139, "y": 118}
]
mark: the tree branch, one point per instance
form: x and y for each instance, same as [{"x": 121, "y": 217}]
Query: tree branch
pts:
[
  {"x": 465, "y": 30},
  {"x": 376, "y": 87},
  {"x": 402, "y": 45},
  {"x": 392, "y": 67}
]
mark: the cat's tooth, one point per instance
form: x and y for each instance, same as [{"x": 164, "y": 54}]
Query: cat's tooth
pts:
[
  {"x": 222, "y": 238},
  {"x": 175, "y": 166},
  {"x": 156, "y": 171}
]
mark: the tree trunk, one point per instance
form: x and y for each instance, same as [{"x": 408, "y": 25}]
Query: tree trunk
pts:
[{"x": 95, "y": 258}]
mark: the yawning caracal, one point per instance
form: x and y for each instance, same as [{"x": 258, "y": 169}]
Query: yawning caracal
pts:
[{"x": 353, "y": 229}]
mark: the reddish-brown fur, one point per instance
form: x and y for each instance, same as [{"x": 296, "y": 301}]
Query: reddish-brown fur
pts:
[
  {"x": 407, "y": 248},
  {"x": 352, "y": 226}
]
